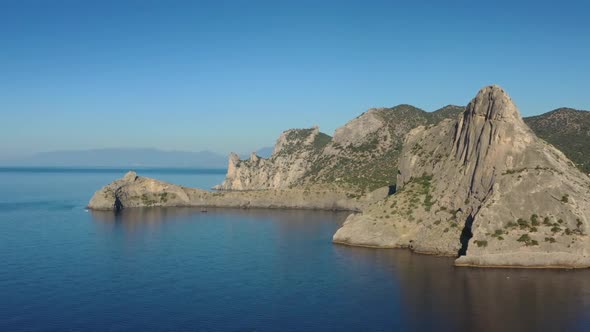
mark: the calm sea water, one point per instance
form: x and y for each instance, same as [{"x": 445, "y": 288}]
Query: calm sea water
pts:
[{"x": 65, "y": 269}]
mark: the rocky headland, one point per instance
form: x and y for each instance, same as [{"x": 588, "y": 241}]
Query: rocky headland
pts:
[
  {"x": 474, "y": 182},
  {"x": 483, "y": 187},
  {"x": 133, "y": 191}
]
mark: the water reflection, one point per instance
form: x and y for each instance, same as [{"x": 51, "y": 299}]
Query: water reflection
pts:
[
  {"x": 132, "y": 218},
  {"x": 289, "y": 220},
  {"x": 435, "y": 295},
  {"x": 429, "y": 293}
]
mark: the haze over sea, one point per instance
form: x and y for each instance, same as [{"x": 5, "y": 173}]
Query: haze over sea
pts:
[{"x": 66, "y": 269}]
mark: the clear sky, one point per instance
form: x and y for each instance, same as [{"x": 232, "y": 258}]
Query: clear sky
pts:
[{"x": 231, "y": 75}]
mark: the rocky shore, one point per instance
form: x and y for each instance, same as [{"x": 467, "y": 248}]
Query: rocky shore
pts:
[{"x": 133, "y": 191}]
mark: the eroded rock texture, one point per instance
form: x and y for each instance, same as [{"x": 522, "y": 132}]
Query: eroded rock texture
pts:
[{"x": 361, "y": 157}]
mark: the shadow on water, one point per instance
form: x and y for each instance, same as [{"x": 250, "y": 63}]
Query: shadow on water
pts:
[
  {"x": 437, "y": 296},
  {"x": 430, "y": 294},
  {"x": 143, "y": 217}
]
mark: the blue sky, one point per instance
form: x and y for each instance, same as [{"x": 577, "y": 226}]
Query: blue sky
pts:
[{"x": 231, "y": 75}]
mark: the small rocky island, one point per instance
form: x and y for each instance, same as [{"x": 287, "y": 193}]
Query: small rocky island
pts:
[{"x": 472, "y": 182}]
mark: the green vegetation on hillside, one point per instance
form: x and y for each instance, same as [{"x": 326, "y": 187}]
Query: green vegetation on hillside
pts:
[
  {"x": 568, "y": 130},
  {"x": 295, "y": 142},
  {"x": 321, "y": 141},
  {"x": 372, "y": 163}
]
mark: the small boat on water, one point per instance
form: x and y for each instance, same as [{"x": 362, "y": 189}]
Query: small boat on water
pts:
[{"x": 203, "y": 210}]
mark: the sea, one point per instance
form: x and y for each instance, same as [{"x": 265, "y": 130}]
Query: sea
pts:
[{"x": 64, "y": 268}]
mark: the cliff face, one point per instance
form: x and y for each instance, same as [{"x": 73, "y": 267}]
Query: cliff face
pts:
[
  {"x": 293, "y": 154},
  {"x": 483, "y": 186},
  {"x": 361, "y": 157},
  {"x": 567, "y": 129}
]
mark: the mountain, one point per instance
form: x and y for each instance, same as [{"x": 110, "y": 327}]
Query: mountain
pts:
[
  {"x": 474, "y": 182},
  {"x": 265, "y": 152},
  {"x": 364, "y": 153},
  {"x": 568, "y": 130},
  {"x": 361, "y": 157},
  {"x": 483, "y": 186},
  {"x": 122, "y": 158}
]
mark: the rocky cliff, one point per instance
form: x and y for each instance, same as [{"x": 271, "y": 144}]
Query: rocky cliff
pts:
[
  {"x": 293, "y": 155},
  {"x": 475, "y": 182},
  {"x": 485, "y": 187},
  {"x": 361, "y": 157}
]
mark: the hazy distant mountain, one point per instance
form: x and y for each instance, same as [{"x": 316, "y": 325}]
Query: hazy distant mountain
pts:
[
  {"x": 265, "y": 152},
  {"x": 122, "y": 158}
]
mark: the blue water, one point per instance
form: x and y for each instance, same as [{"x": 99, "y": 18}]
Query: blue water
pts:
[{"x": 65, "y": 269}]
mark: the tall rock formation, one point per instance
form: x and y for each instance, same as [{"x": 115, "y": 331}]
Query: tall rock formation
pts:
[{"x": 485, "y": 187}]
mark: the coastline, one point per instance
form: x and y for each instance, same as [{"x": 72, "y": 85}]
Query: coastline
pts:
[
  {"x": 136, "y": 192},
  {"x": 133, "y": 191},
  {"x": 468, "y": 265},
  {"x": 240, "y": 207}
]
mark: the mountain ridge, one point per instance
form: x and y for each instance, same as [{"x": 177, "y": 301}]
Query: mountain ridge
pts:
[
  {"x": 359, "y": 157},
  {"x": 569, "y": 130},
  {"x": 375, "y": 138}
]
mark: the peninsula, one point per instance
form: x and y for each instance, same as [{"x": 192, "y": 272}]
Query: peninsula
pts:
[{"x": 474, "y": 182}]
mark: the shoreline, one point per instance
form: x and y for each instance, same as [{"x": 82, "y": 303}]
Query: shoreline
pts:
[
  {"x": 233, "y": 207},
  {"x": 468, "y": 265},
  {"x": 532, "y": 267},
  {"x": 134, "y": 191}
]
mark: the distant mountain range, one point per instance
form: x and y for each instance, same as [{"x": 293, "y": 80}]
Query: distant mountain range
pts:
[
  {"x": 566, "y": 128},
  {"x": 128, "y": 157},
  {"x": 265, "y": 152}
]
